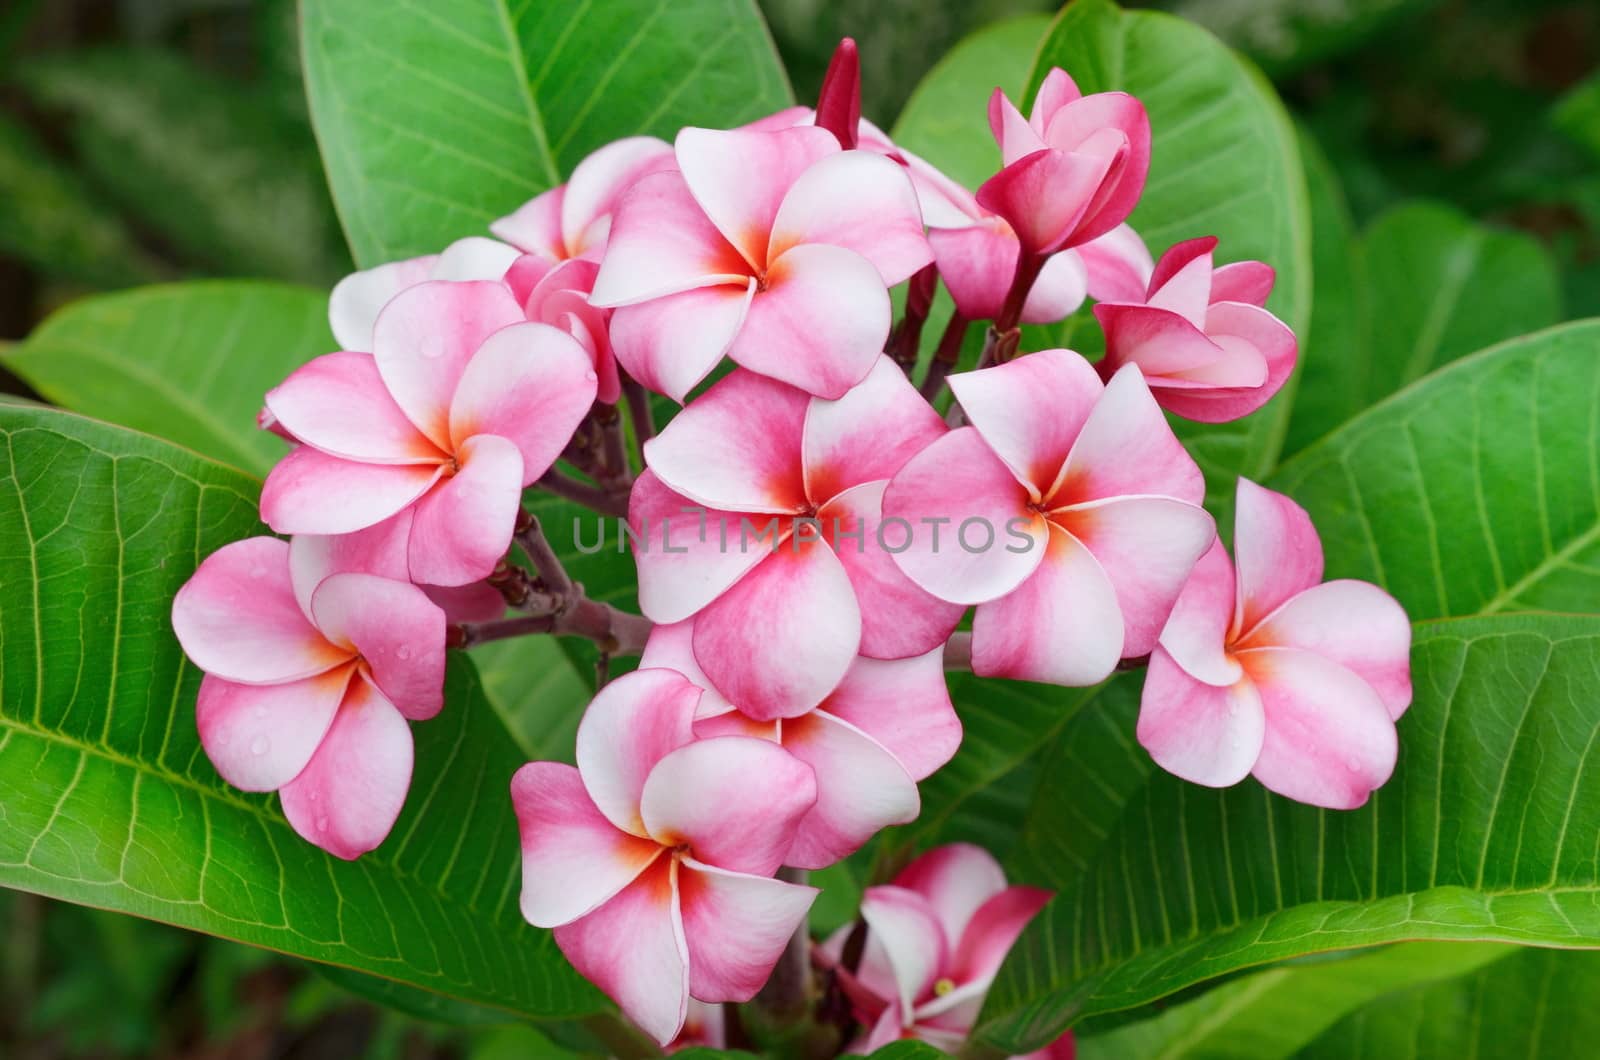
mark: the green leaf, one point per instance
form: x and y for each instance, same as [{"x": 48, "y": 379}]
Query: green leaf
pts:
[
  {"x": 1287, "y": 35},
  {"x": 1431, "y": 286},
  {"x": 1475, "y": 490},
  {"x": 1578, "y": 114},
  {"x": 1484, "y": 833},
  {"x": 502, "y": 98},
  {"x": 107, "y": 800}
]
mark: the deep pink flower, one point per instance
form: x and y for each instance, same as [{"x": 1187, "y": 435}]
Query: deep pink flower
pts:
[
  {"x": 1067, "y": 511},
  {"x": 1203, "y": 340},
  {"x": 461, "y": 405},
  {"x": 356, "y": 300},
  {"x": 783, "y": 606},
  {"x": 309, "y": 685},
  {"x": 1073, "y": 170},
  {"x": 1262, "y": 670},
  {"x": 774, "y": 247},
  {"x": 652, "y": 858},
  {"x": 889, "y": 724}
]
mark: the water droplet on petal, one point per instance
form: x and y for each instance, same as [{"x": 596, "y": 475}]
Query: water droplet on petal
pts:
[
  {"x": 258, "y": 571},
  {"x": 260, "y": 745},
  {"x": 322, "y": 822},
  {"x": 1353, "y": 765},
  {"x": 404, "y": 652}
]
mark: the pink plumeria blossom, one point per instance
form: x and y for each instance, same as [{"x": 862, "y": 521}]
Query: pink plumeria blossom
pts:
[
  {"x": 774, "y": 247},
  {"x": 1201, "y": 335},
  {"x": 559, "y": 297},
  {"x": 1264, "y": 669},
  {"x": 382, "y": 550},
  {"x": 1073, "y": 170},
  {"x": 308, "y": 687},
  {"x": 1086, "y": 507},
  {"x": 461, "y": 405},
  {"x": 780, "y": 618},
  {"x": 356, "y": 301},
  {"x": 651, "y": 859},
  {"x": 886, "y": 726}
]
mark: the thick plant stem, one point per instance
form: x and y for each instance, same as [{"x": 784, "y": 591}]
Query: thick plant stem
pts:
[
  {"x": 786, "y": 998},
  {"x": 639, "y": 410},
  {"x": 553, "y": 576},
  {"x": 946, "y": 356},
  {"x": 906, "y": 338},
  {"x": 612, "y": 501},
  {"x": 958, "y": 652},
  {"x": 614, "y": 632}
]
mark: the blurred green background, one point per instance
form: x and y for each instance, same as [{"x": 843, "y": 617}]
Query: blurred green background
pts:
[{"x": 146, "y": 140}]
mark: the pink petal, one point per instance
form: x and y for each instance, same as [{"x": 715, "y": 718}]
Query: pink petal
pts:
[
  {"x": 736, "y": 927},
  {"x": 1061, "y": 626},
  {"x": 1276, "y": 552},
  {"x": 861, "y": 789},
  {"x": 1058, "y": 291},
  {"x": 424, "y": 339},
  {"x": 1126, "y": 447},
  {"x": 1196, "y": 632},
  {"x": 1204, "y": 733},
  {"x": 530, "y": 384},
  {"x": 1045, "y": 196},
  {"x": 474, "y": 258},
  {"x": 380, "y": 549},
  {"x": 396, "y": 629},
  {"x": 819, "y": 324},
  {"x": 338, "y": 404},
  {"x": 573, "y": 859},
  {"x": 310, "y": 492},
  {"x": 1247, "y": 332},
  {"x": 1055, "y": 91},
  {"x": 1118, "y": 265},
  {"x": 736, "y": 447},
  {"x": 1162, "y": 343},
  {"x": 560, "y": 298},
  {"x": 1015, "y": 135},
  {"x": 661, "y": 243},
  {"x": 1329, "y": 740},
  {"x": 956, "y": 879},
  {"x": 357, "y": 299},
  {"x": 1243, "y": 281},
  {"x": 671, "y": 343},
  {"x": 1030, "y": 410},
  {"x": 535, "y": 227},
  {"x": 463, "y": 526},
  {"x": 236, "y": 618},
  {"x": 1355, "y": 624},
  {"x": 735, "y": 801},
  {"x": 977, "y": 262},
  {"x": 740, "y": 177},
  {"x": 1181, "y": 280},
  {"x": 599, "y": 181},
  {"x": 633, "y": 723},
  {"x": 687, "y": 555},
  {"x": 905, "y": 925},
  {"x": 862, "y": 202},
  {"x": 866, "y": 435},
  {"x": 671, "y": 647},
  {"x": 904, "y": 705},
  {"x": 478, "y": 602},
  {"x": 781, "y": 639},
  {"x": 992, "y": 931},
  {"x": 633, "y": 948},
  {"x": 347, "y": 798},
  {"x": 261, "y": 736},
  {"x": 958, "y": 481},
  {"x": 1089, "y": 126},
  {"x": 1147, "y": 546}
]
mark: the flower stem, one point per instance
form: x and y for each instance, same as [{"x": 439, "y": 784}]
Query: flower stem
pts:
[
  {"x": 639, "y": 411},
  {"x": 787, "y": 996},
  {"x": 606, "y": 501},
  {"x": 946, "y": 356}
]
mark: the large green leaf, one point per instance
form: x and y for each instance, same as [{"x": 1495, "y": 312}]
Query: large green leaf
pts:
[
  {"x": 432, "y": 124},
  {"x": 106, "y": 798},
  {"x": 1485, "y": 832}
]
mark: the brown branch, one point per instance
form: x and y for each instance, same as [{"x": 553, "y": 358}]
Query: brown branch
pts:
[
  {"x": 553, "y": 577},
  {"x": 946, "y": 356},
  {"x": 613, "y": 501},
  {"x": 639, "y": 411},
  {"x": 958, "y": 652},
  {"x": 614, "y": 632}
]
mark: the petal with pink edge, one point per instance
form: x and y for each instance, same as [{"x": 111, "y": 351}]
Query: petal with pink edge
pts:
[
  {"x": 1181, "y": 280},
  {"x": 905, "y": 925},
  {"x": 903, "y": 704},
  {"x": 1016, "y": 136},
  {"x": 573, "y": 859},
  {"x": 359, "y": 297},
  {"x": 633, "y": 948},
  {"x": 686, "y": 555},
  {"x": 474, "y": 258},
  {"x": 338, "y": 404},
  {"x": 862, "y": 202},
  {"x": 671, "y": 647},
  {"x": 1058, "y": 291},
  {"x": 348, "y": 796},
  {"x": 819, "y": 324},
  {"x": 633, "y": 723},
  {"x": 380, "y": 549},
  {"x": 1031, "y": 410},
  {"x": 261, "y": 736},
  {"x": 1118, "y": 265},
  {"x": 861, "y": 789},
  {"x": 866, "y": 435},
  {"x": 783, "y": 636},
  {"x": 535, "y": 226},
  {"x": 1276, "y": 552},
  {"x": 1243, "y": 281},
  {"x": 662, "y": 243},
  {"x": 956, "y": 879},
  {"x": 310, "y": 492},
  {"x": 396, "y": 629},
  {"x": 1092, "y": 125},
  {"x": 478, "y": 602},
  {"x": 736, "y": 927},
  {"x": 1204, "y": 733},
  {"x": 671, "y": 343},
  {"x": 1126, "y": 447},
  {"x": 1162, "y": 343},
  {"x": 237, "y": 618},
  {"x": 463, "y": 525},
  {"x": 1045, "y": 195},
  {"x": 599, "y": 181},
  {"x": 734, "y": 800},
  {"x": 1196, "y": 632},
  {"x": 1248, "y": 333},
  {"x": 992, "y": 931},
  {"x": 976, "y": 262}
]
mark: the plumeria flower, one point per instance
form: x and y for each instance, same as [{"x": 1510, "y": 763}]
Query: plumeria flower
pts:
[
  {"x": 774, "y": 247},
  {"x": 782, "y": 607},
  {"x": 935, "y": 939},
  {"x": 889, "y": 724},
  {"x": 1262, "y": 670},
  {"x": 460, "y": 406},
  {"x": 1073, "y": 170},
  {"x": 1067, "y": 511},
  {"x": 1200, "y": 335},
  {"x": 308, "y": 686},
  {"x": 560, "y": 297},
  {"x": 651, "y": 859},
  {"x": 382, "y": 550},
  {"x": 356, "y": 301}
]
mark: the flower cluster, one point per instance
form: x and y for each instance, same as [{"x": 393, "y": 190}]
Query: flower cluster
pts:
[{"x": 809, "y": 530}]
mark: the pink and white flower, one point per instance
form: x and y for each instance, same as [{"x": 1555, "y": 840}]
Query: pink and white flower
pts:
[
  {"x": 1086, "y": 510},
  {"x": 1201, "y": 335},
  {"x": 308, "y": 686},
  {"x": 759, "y": 516},
  {"x": 559, "y": 297},
  {"x": 356, "y": 301},
  {"x": 461, "y": 405},
  {"x": 652, "y": 859},
  {"x": 774, "y": 247},
  {"x": 1264, "y": 669}
]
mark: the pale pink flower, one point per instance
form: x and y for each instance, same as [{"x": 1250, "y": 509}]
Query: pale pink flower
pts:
[
  {"x": 774, "y": 247},
  {"x": 886, "y": 726},
  {"x": 1262, "y": 670},
  {"x": 356, "y": 300},
  {"x": 1067, "y": 511},
  {"x": 309, "y": 685},
  {"x": 652, "y": 859},
  {"x": 461, "y": 405},
  {"x": 783, "y": 606},
  {"x": 1200, "y": 335}
]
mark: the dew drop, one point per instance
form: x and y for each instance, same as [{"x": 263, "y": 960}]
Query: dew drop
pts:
[
  {"x": 404, "y": 652},
  {"x": 259, "y": 746},
  {"x": 258, "y": 571},
  {"x": 1353, "y": 765},
  {"x": 322, "y": 823}
]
